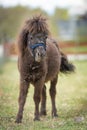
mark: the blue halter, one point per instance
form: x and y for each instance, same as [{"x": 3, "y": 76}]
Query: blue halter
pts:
[{"x": 37, "y": 45}]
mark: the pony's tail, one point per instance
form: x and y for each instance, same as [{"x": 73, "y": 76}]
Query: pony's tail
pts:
[{"x": 65, "y": 66}]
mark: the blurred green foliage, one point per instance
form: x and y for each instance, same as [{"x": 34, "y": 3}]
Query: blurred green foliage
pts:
[{"x": 12, "y": 18}]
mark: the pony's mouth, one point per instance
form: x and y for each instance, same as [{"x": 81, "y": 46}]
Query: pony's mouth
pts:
[
  {"x": 37, "y": 58},
  {"x": 39, "y": 54},
  {"x": 38, "y": 51}
]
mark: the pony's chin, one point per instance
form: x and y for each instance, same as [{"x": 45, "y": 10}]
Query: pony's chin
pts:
[{"x": 39, "y": 58}]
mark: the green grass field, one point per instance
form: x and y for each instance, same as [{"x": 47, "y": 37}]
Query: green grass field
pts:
[{"x": 71, "y": 101}]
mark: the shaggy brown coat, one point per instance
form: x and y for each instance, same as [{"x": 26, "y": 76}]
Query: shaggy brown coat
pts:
[{"x": 38, "y": 73}]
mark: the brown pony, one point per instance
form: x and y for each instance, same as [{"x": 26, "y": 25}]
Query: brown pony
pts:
[{"x": 40, "y": 60}]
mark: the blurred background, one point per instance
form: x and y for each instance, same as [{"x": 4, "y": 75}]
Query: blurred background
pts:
[{"x": 67, "y": 22}]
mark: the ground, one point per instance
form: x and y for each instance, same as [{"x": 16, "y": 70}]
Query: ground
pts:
[{"x": 71, "y": 101}]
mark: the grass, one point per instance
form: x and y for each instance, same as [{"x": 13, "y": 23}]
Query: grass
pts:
[{"x": 71, "y": 101}]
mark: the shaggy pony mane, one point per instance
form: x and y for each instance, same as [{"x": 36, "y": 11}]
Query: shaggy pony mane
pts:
[{"x": 37, "y": 25}]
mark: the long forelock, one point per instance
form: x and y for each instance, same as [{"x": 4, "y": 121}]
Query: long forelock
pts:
[{"x": 36, "y": 25}]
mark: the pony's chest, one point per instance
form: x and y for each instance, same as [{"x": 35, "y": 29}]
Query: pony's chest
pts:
[{"x": 35, "y": 73}]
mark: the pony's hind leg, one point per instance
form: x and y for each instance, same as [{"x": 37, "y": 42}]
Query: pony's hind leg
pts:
[
  {"x": 43, "y": 102},
  {"x": 53, "y": 95}
]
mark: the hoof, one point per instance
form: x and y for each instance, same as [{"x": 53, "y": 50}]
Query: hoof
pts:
[
  {"x": 43, "y": 113},
  {"x": 36, "y": 119},
  {"x": 18, "y": 121},
  {"x": 55, "y": 116}
]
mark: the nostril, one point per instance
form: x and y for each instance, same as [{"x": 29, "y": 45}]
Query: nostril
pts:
[{"x": 38, "y": 54}]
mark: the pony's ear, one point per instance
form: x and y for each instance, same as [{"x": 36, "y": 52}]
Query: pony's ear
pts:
[{"x": 22, "y": 41}]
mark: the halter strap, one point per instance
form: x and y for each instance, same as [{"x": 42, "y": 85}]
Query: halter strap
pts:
[{"x": 37, "y": 45}]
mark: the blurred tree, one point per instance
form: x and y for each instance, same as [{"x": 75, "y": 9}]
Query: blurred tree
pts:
[
  {"x": 9, "y": 21},
  {"x": 12, "y": 18},
  {"x": 61, "y": 14}
]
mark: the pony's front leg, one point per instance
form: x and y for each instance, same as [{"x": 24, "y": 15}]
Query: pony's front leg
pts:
[
  {"x": 37, "y": 97},
  {"x": 43, "y": 102},
  {"x": 22, "y": 98}
]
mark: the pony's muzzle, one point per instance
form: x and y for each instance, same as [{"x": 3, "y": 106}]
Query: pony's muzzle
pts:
[{"x": 39, "y": 53}]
